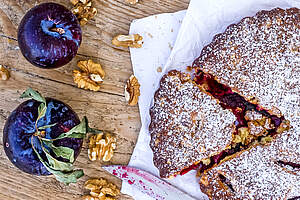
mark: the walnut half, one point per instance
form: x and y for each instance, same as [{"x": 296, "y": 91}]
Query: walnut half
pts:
[
  {"x": 132, "y": 91},
  {"x": 100, "y": 189},
  {"x": 134, "y": 41},
  {"x": 83, "y": 10},
  {"x": 4, "y": 73},
  {"x": 101, "y": 147},
  {"x": 90, "y": 77}
]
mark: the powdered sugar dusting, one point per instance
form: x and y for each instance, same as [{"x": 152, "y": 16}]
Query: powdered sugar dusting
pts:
[
  {"x": 260, "y": 57},
  {"x": 186, "y": 125},
  {"x": 256, "y": 174}
]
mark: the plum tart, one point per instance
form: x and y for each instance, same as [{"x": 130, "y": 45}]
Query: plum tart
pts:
[{"x": 242, "y": 105}]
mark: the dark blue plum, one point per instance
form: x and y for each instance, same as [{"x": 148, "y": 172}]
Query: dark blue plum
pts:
[
  {"x": 20, "y": 127},
  {"x": 49, "y": 35}
]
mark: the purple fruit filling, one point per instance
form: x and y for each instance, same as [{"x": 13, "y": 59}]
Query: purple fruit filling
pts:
[
  {"x": 226, "y": 182},
  {"x": 291, "y": 164}
]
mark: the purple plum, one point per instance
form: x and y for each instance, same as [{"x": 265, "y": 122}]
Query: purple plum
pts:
[
  {"x": 21, "y": 126},
  {"x": 49, "y": 35}
]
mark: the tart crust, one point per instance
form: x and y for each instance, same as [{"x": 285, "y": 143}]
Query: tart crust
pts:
[{"x": 187, "y": 126}]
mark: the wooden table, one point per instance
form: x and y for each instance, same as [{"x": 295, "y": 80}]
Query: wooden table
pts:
[{"x": 106, "y": 109}]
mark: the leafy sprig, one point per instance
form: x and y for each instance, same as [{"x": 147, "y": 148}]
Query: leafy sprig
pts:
[
  {"x": 32, "y": 94},
  {"x": 64, "y": 152},
  {"x": 63, "y": 171},
  {"x": 62, "y": 176}
]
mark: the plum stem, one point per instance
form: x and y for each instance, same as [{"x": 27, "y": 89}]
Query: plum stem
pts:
[
  {"x": 53, "y": 29},
  {"x": 58, "y": 30}
]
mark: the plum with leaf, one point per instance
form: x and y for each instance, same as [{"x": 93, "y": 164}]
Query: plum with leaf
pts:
[{"x": 44, "y": 136}]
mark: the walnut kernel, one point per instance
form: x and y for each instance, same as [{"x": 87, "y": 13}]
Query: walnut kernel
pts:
[
  {"x": 204, "y": 180},
  {"x": 74, "y": 2},
  {"x": 134, "y": 41},
  {"x": 132, "y": 1},
  {"x": 266, "y": 140},
  {"x": 4, "y": 73},
  {"x": 256, "y": 129},
  {"x": 284, "y": 126},
  {"x": 243, "y": 136},
  {"x": 83, "y": 10},
  {"x": 101, "y": 147},
  {"x": 100, "y": 189},
  {"x": 206, "y": 161},
  {"x": 90, "y": 77},
  {"x": 132, "y": 91}
]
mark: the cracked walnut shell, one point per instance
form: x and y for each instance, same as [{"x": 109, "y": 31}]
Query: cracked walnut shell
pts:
[
  {"x": 132, "y": 91},
  {"x": 90, "y": 77},
  {"x": 83, "y": 10},
  {"x": 101, "y": 147},
  {"x": 4, "y": 73},
  {"x": 100, "y": 189},
  {"x": 134, "y": 41}
]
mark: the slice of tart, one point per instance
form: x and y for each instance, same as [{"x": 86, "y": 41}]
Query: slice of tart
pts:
[
  {"x": 254, "y": 123},
  {"x": 255, "y": 66},
  {"x": 187, "y": 126},
  {"x": 260, "y": 173}
]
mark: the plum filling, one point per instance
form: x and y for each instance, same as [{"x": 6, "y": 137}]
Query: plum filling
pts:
[
  {"x": 229, "y": 99},
  {"x": 291, "y": 164},
  {"x": 226, "y": 182}
]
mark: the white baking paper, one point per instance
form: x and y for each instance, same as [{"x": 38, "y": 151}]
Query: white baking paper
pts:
[
  {"x": 174, "y": 41},
  {"x": 206, "y": 18}
]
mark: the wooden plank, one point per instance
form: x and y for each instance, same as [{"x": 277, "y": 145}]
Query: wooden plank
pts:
[
  {"x": 114, "y": 17},
  {"x": 106, "y": 109}
]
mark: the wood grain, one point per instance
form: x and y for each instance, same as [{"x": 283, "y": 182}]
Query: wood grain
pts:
[{"x": 106, "y": 109}]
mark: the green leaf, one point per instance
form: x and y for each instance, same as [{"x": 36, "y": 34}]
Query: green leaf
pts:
[
  {"x": 68, "y": 177},
  {"x": 59, "y": 165},
  {"x": 47, "y": 126},
  {"x": 89, "y": 129},
  {"x": 42, "y": 109},
  {"x": 56, "y": 164},
  {"x": 94, "y": 131},
  {"x": 64, "y": 152},
  {"x": 30, "y": 93},
  {"x": 78, "y": 131},
  {"x": 65, "y": 177}
]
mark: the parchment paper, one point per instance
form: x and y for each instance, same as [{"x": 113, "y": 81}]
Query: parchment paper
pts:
[{"x": 174, "y": 41}]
